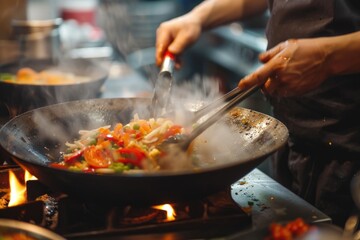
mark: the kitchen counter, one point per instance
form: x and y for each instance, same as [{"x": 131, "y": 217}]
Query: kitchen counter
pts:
[
  {"x": 268, "y": 201},
  {"x": 263, "y": 198}
]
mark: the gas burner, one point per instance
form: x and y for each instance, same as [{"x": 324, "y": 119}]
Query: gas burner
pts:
[{"x": 75, "y": 219}]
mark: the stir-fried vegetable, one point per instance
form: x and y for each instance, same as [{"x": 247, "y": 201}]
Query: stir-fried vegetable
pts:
[
  {"x": 126, "y": 147},
  {"x": 48, "y": 77}
]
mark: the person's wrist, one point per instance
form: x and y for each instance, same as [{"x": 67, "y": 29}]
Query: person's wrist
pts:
[
  {"x": 330, "y": 48},
  {"x": 194, "y": 18}
]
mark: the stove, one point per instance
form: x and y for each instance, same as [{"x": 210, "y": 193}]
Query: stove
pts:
[
  {"x": 251, "y": 203},
  {"x": 213, "y": 216}
]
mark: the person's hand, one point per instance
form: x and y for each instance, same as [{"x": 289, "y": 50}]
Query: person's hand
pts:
[
  {"x": 176, "y": 35},
  {"x": 291, "y": 68}
]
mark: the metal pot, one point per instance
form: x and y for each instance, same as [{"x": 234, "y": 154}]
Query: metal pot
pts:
[{"x": 38, "y": 39}]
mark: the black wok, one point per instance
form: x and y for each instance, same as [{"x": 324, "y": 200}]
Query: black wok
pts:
[
  {"x": 35, "y": 138},
  {"x": 19, "y": 98}
]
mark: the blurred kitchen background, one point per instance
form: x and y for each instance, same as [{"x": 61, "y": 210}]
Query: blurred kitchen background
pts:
[{"x": 120, "y": 35}]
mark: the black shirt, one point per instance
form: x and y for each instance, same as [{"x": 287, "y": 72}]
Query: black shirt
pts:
[{"x": 327, "y": 117}]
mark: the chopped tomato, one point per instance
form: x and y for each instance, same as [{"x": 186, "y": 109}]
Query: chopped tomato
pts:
[
  {"x": 173, "y": 130},
  {"x": 98, "y": 157},
  {"x": 115, "y": 140},
  {"x": 289, "y": 231},
  {"x": 133, "y": 156}
]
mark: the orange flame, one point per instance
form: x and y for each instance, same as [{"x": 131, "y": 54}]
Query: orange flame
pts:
[
  {"x": 170, "y": 216},
  {"x": 29, "y": 177},
  {"x": 17, "y": 189}
]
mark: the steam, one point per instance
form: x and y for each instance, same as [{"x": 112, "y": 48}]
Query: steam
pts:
[{"x": 212, "y": 146}]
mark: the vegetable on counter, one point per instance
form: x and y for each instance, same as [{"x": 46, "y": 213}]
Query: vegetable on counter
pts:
[{"x": 288, "y": 231}]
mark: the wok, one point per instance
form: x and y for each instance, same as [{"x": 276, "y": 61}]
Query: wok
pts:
[
  {"x": 19, "y": 98},
  {"x": 35, "y": 138}
]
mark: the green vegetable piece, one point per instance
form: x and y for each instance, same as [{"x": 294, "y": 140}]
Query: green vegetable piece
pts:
[{"x": 6, "y": 76}]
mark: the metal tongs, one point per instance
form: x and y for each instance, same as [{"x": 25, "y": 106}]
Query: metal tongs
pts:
[
  {"x": 232, "y": 98},
  {"x": 162, "y": 89}
]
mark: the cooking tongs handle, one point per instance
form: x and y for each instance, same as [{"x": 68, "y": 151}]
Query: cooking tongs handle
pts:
[
  {"x": 168, "y": 64},
  {"x": 236, "y": 96},
  {"x": 162, "y": 89},
  {"x": 224, "y": 98}
]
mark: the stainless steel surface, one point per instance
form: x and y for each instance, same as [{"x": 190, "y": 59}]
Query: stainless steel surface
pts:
[
  {"x": 38, "y": 39},
  {"x": 233, "y": 47},
  {"x": 268, "y": 201}
]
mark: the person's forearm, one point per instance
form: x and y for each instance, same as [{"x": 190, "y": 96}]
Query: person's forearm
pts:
[
  {"x": 213, "y": 13},
  {"x": 343, "y": 53}
]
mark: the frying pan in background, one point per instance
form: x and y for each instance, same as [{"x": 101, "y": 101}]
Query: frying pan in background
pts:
[
  {"x": 14, "y": 229},
  {"x": 19, "y": 98},
  {"x": 35, "y": 138}
]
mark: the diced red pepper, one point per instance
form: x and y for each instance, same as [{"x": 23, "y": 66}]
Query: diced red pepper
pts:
[
  {"x": 117, "y": 141},
  {"x": 132, "y": 156},
  {"x": 98, "y": 157},
  {"x": 74, "y": 156},
  {"x": 58, "y": 165}
]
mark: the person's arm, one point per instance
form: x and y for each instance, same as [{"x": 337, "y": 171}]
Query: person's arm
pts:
[
  {"x": 295, "y": 67},
  {"x": 177, "y": 34},
  {"x": 344, "y": 54},
  {"x": 213, "y": 13}
]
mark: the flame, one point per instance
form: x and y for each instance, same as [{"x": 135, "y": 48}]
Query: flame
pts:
[
  {"x": 170, "y": 216},
  {"x": 29, "y": 177},
  {"x": 17, "y": 189}
]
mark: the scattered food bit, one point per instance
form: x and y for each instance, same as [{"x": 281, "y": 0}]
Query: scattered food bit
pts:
[
  {"x": 242, "y": 182},
  {"x": 289, "y": 231}
]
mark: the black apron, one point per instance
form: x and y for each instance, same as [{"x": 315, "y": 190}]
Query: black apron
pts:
[{"x": 323, "y": 152}]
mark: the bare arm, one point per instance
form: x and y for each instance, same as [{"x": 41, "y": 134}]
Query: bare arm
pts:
[
  {"x": 213, "y": 13},
  {"x": 177, "y": 34},
  {"x": 344, "y": 54}
]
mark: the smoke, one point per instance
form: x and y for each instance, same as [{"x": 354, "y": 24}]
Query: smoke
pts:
[{"x": 214, "y": 145}]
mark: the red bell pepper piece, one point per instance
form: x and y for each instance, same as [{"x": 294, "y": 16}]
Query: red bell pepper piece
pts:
[
  {"x": 132, "y": 156},
  {"x": 74, "y": 156}
]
